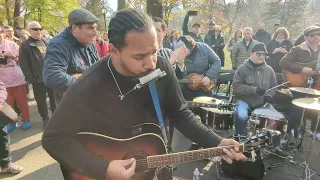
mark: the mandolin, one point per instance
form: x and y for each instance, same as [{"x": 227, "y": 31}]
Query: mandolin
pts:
[
  {"x": 149, "y": 150},
  {"x": 194, "y": 82},
  {"x": 299, "y": 79}
]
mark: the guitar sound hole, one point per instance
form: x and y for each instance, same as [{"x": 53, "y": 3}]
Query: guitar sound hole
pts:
[{"x": 141, "y": 159}]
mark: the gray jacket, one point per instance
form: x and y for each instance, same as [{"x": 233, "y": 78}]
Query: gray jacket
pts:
[
  {"x": 247, "y": 79},
  {"x": 240, "y": 52},
  {"x": 204, "y": 60}
]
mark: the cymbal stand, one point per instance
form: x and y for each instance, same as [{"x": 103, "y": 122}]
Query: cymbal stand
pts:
[
  {"x": 308, "y": 172},
  {"x": 302, "y": 127}
]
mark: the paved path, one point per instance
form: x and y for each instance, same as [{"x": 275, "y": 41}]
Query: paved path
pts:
[{"x": 26, "y": 151}]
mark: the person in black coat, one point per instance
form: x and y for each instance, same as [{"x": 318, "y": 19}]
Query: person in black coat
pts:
[
  {"x": 277, "y": 48},
  {"x": 215, "y": 40}
]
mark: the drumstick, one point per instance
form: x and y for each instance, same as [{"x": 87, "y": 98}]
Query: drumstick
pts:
[{"x": 277, "y": 86}]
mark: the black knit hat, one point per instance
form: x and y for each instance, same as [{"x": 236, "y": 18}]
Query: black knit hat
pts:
[{"x": 259, "y": 47}]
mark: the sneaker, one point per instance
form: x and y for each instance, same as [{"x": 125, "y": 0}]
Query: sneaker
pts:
[
  {"x": 11, "y": 127},
  {"x": 26, "y": 125},
  {"x": 13, "y": 169}
]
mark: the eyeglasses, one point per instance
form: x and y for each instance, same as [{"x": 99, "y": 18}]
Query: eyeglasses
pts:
[
  {"x": 313, "y": 35},
  {"x": 261, "y": 54},
  {"x": 36, "y": 29}
]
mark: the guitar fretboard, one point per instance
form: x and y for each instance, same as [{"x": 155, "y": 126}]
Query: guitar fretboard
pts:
[
  {"x": 183, "y": 157},
  {"x": 186, "y": 81}
]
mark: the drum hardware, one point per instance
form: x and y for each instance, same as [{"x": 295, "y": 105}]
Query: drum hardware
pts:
[
  {"x": 306, "y": 103},
  {"x": 275, "y": 87},
  {"x": 310, "y": 92}
]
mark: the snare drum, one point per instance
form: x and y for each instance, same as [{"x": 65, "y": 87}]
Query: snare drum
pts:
[{"x": 268, "y": 117}]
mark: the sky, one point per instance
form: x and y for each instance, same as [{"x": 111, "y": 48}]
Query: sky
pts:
[{"x": 113, "y": 4}]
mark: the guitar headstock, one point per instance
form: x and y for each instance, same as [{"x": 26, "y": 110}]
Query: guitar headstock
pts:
[{"x": 256, "y": 142}]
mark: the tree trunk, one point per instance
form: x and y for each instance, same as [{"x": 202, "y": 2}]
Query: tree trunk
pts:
[
  {"x": 16, "y": 13},
  {"x": 7, "y": 7},
  {"x": 154, "y": 8},
  {"x": 121, "y": 4}
]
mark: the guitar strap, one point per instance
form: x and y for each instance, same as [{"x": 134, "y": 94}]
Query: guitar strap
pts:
[{"x": 156, "y": 103}]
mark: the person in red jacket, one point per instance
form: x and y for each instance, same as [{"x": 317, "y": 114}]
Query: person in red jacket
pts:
[{"x": 102, "y": 47}]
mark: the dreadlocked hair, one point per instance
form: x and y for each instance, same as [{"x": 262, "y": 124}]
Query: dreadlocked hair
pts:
[{"x": 127, "y": 20}]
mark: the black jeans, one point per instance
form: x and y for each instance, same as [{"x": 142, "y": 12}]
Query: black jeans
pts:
[
  {"x": 5, "y": 157},
  {"x": 40, "y": 91}
]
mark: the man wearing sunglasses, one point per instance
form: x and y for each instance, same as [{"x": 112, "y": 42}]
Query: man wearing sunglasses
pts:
[
  {"x": 71, "y": 52},
  {"x": 32, "y": 53},
  {"x": 295, "y": 62},
  {"x": 250, "y": 84}
]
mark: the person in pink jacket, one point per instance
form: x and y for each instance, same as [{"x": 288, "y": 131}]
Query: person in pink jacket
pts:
[
  {"x": 6, "y": 165},
  {"x": 12, "y": 77}
]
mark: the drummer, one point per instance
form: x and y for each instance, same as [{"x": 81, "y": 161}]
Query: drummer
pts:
[{"x": 251, "y": 81}]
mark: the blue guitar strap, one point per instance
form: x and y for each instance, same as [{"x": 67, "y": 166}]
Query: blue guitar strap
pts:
[{"x": 155, "y": 99}]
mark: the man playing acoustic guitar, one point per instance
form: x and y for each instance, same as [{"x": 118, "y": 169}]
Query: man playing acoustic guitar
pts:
[
  {"x": 302, "y": 59},
  {"x": 104, "y": 100}
]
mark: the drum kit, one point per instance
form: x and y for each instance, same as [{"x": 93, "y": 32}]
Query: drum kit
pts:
[{"x": 268, "y": 119}]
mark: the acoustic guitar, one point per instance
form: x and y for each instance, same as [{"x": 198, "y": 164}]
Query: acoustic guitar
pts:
[
  {"x": 149, "y": 150},
  {"x": 194, "y": 82},
  {"x": 299, "y": 79}
]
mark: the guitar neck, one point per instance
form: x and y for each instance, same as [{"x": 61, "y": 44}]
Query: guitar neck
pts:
[
  {"x": 186, "y": 81},
  {"x": 207, "y": 105},
  {"x": 188, "y": 156}
]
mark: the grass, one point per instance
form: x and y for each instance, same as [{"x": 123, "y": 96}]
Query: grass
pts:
[{"x": 227, "y": 65}]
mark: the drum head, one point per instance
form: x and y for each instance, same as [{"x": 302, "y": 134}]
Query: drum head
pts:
[{"x": 268, "y": 112}]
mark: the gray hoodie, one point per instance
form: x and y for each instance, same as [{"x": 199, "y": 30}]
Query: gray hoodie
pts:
[{"x": 247, "y": 79}]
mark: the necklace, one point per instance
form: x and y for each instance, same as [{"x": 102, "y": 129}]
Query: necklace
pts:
[{"x": 121, "y": 96}]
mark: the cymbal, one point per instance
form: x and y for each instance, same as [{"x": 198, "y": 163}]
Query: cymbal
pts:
[
  {"x": 308, "y": 103},
  {"x": 206, "y": 99},
  {"x": 211, "y": 100},
  {"x": 309, "y": 91}
]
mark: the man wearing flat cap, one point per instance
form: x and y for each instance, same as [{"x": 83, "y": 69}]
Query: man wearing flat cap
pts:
[
  {"x": 302, "y": 59},
  {"x": 71, "y": 52}
]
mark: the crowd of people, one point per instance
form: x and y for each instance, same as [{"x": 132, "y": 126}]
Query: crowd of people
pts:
[{"x": 84, "y": 91}]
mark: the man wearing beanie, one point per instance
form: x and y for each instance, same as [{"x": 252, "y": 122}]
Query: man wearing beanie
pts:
[
  {"x": 71, "y": 52},
  {"x": 250, "y": 82}
]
